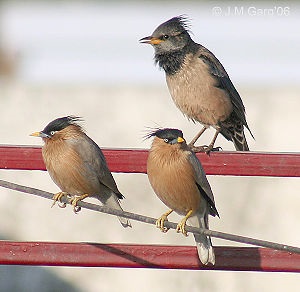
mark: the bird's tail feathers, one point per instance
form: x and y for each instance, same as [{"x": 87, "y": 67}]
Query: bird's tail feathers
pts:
[
  {"x": 233, "y": 129},
  {"x": 113, "y": 202},
  {"x": 239, "y": 141},
  {"x": 204, "y": 246}
]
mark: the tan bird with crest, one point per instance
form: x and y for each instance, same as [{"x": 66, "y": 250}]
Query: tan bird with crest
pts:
[
  {"x": 178, "y": 179},
  {"x": 77, "y": 165}
]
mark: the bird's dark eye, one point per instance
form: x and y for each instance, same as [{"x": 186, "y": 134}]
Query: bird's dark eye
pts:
[
  {"x": 166, "y": 140},
  {"x": 165, "y": 36},
  {"x": 52, "y": 133}
]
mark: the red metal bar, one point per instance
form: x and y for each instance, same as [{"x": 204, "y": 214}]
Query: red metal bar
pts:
[
  {"x": 154, "y": 256},
  {"x": 21, "y": 157},
  {"x": 144, "y": 256},
  {"x": 134, "y": 161}
]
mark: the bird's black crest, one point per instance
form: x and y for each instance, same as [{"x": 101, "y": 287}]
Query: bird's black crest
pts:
[
  {"x": 179, "y": 23},
  {"x": 61, "y": 123},
  {"x": 166, "y": 133}
]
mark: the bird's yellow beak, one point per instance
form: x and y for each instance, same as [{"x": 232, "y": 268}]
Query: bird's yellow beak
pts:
[
  {"x": 39, "y": 134},
  {"x": 180, "y": 140},
  {"x": 35, "y": 134},
  {"x": 150, "y": 40}
]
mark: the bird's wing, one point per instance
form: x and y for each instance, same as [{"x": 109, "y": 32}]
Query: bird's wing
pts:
[
  {"x": 224, "y": 82},
  {"x": 202, "y": 182},
  {"x": 95, "y": 162}
]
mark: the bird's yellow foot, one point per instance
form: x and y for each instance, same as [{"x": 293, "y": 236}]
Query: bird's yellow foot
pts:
[
  {"x": 181, "y": 225},
  {"x": 75, "y": 200},
  {"x": 57, "y": 198},
  {"x": 160, "y": 221}
]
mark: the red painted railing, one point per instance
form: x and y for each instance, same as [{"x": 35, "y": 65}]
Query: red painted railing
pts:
[
  {"x": 154, "y": 256},
  {"x": 144, "y": 256},
  {"x": 134, "y": 161}
]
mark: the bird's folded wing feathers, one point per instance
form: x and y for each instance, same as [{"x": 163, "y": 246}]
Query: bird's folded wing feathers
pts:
[
  {"x": 217, "y": 69},
  {"x": 95, "y": 161},
  {"x": 202, "y": 182}
]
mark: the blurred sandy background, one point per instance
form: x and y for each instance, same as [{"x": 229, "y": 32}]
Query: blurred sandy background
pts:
[{"x": 83, "y": 58}]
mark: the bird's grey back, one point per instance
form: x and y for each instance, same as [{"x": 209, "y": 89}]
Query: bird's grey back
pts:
[
  {"x": 203, "y": 183},
  {"x": 95, "y": 162}
]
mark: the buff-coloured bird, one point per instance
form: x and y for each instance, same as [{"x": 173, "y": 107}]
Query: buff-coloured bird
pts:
[
  {"x": 199, "y": 84},
  {"x": 77, "y": 165},
  {"x": 178, "y": 179}
]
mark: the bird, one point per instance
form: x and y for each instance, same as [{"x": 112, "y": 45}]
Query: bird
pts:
[
  {"x": 77, "y": 165},
  {"x": 178, "y": 179},
  {"x": 198, "y": 83}
]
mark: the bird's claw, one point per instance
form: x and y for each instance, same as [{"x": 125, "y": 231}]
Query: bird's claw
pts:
[
  {"x": 76, "y": 209},
  {"x": 160, "y": 223},
  {"x": 181, "y": 227},
  {"x": 212, "y": 149},
  {"x": 205, "y": 148},
  {"x": 75, "y": 200},
  {"x": 161, "y": 220},
  {"x": 57, "y": 198},
  {"x": 198, "y": 148},
  {"x": 219, "y": 148},
  {"x": 62, "y": 205}
]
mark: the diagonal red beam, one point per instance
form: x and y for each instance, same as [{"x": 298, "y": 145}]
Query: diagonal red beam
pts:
[
  {"x": 134, "y": 161},
  {"x": 144, "y": 256}
]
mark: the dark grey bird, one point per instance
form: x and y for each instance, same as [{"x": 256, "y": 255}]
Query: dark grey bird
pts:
[{"x": 198, "y": 83}]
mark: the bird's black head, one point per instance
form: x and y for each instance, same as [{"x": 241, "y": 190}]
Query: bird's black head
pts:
[
  {"x": 170, "y": 36},
  {"x": 170, "y": 136},
  {"x": 57, "y": 125},
  {"x": 171, "y": 42}
]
